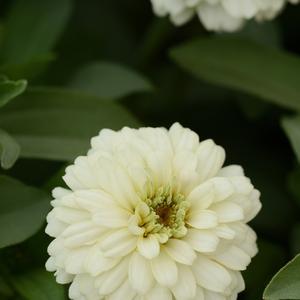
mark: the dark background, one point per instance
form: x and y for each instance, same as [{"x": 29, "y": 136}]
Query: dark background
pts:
[{"x": 126, "y": 32}]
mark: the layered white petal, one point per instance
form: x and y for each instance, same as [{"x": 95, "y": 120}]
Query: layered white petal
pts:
[
  {"x": 218, "y": 15},
  {"x": 164, "y": 270},
  {"x": 211, "y": 275},
  {"x": 140, "y": 274},
  {"x": 152, "y": 214}
]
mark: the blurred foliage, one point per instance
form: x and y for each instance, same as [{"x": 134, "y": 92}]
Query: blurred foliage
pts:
[{"x": 69, "y": 68}]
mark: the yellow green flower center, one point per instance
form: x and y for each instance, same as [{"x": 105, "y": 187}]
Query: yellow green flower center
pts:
[{"x": 167, "y": 213}]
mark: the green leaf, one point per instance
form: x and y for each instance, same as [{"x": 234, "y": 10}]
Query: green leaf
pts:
[
  {"x": 10, "y": 89},
  {"x": 244, "y": 65},
  {"x": 9, "y": 150},
  {"x": 38, "y": 285},
  {"x": 58, "y": 124},
  {"x": 109, "y": 80},
  {"x": 22, "y": 211},
  {"x": 291, "y": 127},
  {"x": 286, "y": 283},
  {"x": 32, "y": 28}
]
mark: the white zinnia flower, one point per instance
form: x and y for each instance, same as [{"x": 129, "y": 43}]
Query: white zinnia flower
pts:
[
  {"x": 219, "y": 15},
  {"x": 151, "y": 214}
]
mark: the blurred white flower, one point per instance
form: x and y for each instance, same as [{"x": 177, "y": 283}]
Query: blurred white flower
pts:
[
  {"x": 219, "y": 15},
  {"x": 151, "y": 214}
]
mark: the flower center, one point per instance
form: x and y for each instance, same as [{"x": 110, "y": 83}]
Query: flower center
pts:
[{"x": 166, "y": 215}]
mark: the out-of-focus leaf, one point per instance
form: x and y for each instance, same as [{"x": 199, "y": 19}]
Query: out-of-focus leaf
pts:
[
  {"x": 29, "y": 69},
  {"x": 269, "y": 259},
  {"x": 38, "y": 285},
  {"x": 32, "y": 28},
  {"x": 5, "y": 290},
  {"x": 267, "y": 33},
  {"x": 292, "y": 129},
  {"x": 286, "y": 283},
  {"x": 154, "y": 38},
  {"x": 109, "y": 80},
  {"x": 9, "y": 150},
  {"x": 294, "y": 184},
  {"x": 295, "y": 239},
  {"x": 55, "y": 180},
  {"x": 252, "y": 107},
  {"x": 58, "y": 124},
  {"x": 243, "y": 65},
  {"x": 22, "y": 211},
  {"x": 10, "y": 89}
]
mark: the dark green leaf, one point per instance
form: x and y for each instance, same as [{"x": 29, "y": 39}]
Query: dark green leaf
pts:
[
  {"x": 58, "y": 124},
  {"x": 22, "y": 211},
  {"x": 292, "y": 129},
  {"x": 9, "y": 150},
  {"x": 109, "y": 80},
  {"x": 295, "y": 239},
  {"x": 269, "y": 259},
  {"x": 28, "y": 69},
  {"x": 38, "y": 285},
  {"x": 5, "y": 289},
  {"x": 286, "y": 283},
  {"x": 294, "y": 184},
  {"x": 55, "y": 180},
  {"x": 32, "y": 29},
  {"x": 267, "y": 33},
  {"x": 244, "y": 65},
  {"x": 10, "y": 89}
]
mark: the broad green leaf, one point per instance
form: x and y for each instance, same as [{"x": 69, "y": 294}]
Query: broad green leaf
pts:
[
  {"x": 9, "y": 150},
  {"x": 243, "y": 65},
  {"x": 109, "y": 80},
  {"x": 32, "y": 28},
  {"x": 292, "y": 129},
  {"x": 58, "y": 124},
  {"x": 10, "y": 89},
  {"x": 38, "y": 285},
  {"x": 286, "y": 283},
  {"x": 22, "y": 211}
]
